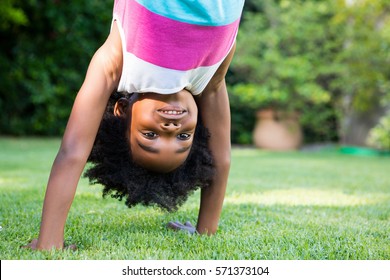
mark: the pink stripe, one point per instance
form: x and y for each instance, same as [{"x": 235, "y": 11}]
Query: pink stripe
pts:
[{"x": 173, "y": 44}]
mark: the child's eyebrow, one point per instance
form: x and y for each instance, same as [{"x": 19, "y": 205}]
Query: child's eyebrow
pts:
[{"x": 156, "y": 151}]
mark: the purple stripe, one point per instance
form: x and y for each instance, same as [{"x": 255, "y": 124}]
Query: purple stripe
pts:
[{"x": 173, "y": 44}]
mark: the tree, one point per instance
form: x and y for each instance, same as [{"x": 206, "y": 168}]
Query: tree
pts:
[
  {"x": 284, "y": 58},
  {"x": 364, "y": 79}
]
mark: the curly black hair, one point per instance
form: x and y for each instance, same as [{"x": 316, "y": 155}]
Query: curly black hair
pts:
[{"x": 112, "y": 166}]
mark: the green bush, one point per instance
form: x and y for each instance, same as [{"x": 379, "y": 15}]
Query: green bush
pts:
[
  {"x": 364, "y": 61},
  {"x": 243, "y": 117},
  {"x": 285, "y": 60},
  {"x": 379, "y": 136},
  {"x": 10, "y": 15},
  {"x": 43, "y": 61}
]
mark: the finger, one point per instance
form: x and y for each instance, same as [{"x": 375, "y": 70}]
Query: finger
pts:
[
  {"x": 191, "y": 229},
  {"x": 71, "y": 247},
  {"x": 188, "y": 224},
  {"x": 174, "y": 225},
  {"x": 31, "y": 245}
]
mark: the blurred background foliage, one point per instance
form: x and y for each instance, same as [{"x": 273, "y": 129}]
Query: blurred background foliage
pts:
[
  {"x": 326, "y": 59},
  {"x": 43, "y": 60}
]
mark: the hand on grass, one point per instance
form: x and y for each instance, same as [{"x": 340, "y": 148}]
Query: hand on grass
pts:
[
  {"x": 33, "y": 245},
  {"x": 187, "y": 226}
]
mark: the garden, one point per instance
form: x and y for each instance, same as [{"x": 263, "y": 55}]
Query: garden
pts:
[
  {"x": 324, "y": 62},
  {"x": 313, "y": 205}
]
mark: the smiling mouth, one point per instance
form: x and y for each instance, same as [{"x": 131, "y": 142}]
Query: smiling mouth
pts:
[{"x": 172, "y": 112}]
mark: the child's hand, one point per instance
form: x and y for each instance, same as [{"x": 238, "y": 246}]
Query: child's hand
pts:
[
  {"x": 179, "y": 226},
  {"x": 33, "y": 245}
]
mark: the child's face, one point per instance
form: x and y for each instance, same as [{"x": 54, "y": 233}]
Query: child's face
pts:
[{"x": 162, "y": 129}]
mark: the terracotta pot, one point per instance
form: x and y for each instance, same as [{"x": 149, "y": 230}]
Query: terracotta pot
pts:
[{"x": 278, "y": 131}]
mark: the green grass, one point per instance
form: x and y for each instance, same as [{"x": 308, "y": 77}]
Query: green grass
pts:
[{"x": 296, "y": 205}]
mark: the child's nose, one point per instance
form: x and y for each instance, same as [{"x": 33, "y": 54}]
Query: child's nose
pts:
[{"x": 171, "y": 126}]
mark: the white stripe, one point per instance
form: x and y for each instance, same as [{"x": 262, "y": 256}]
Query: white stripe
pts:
[{"x": 141, "y": 76}]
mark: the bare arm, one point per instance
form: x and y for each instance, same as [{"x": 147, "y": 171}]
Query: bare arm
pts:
[
  {"x": 215, "y": 112},
  {"x": 101, "y": 79}
]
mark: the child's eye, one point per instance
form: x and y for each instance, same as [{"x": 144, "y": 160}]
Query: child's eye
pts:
[
  {"x": 184, "y": 136},
  {"x": 150, "y": 135}
]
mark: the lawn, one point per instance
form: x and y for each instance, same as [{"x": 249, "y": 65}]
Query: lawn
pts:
[{"x": 296, "y": 205}]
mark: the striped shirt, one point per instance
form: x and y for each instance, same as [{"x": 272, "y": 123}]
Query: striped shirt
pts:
[{"x": 170, "y": 45}]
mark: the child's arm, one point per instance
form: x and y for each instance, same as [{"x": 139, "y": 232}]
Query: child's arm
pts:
[
  {"x": 215, "y": 112},
  {"x": 101, "y": 79}
]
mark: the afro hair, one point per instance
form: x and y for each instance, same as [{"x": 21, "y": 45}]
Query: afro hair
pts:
[{"x": 112, "y": 166}]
